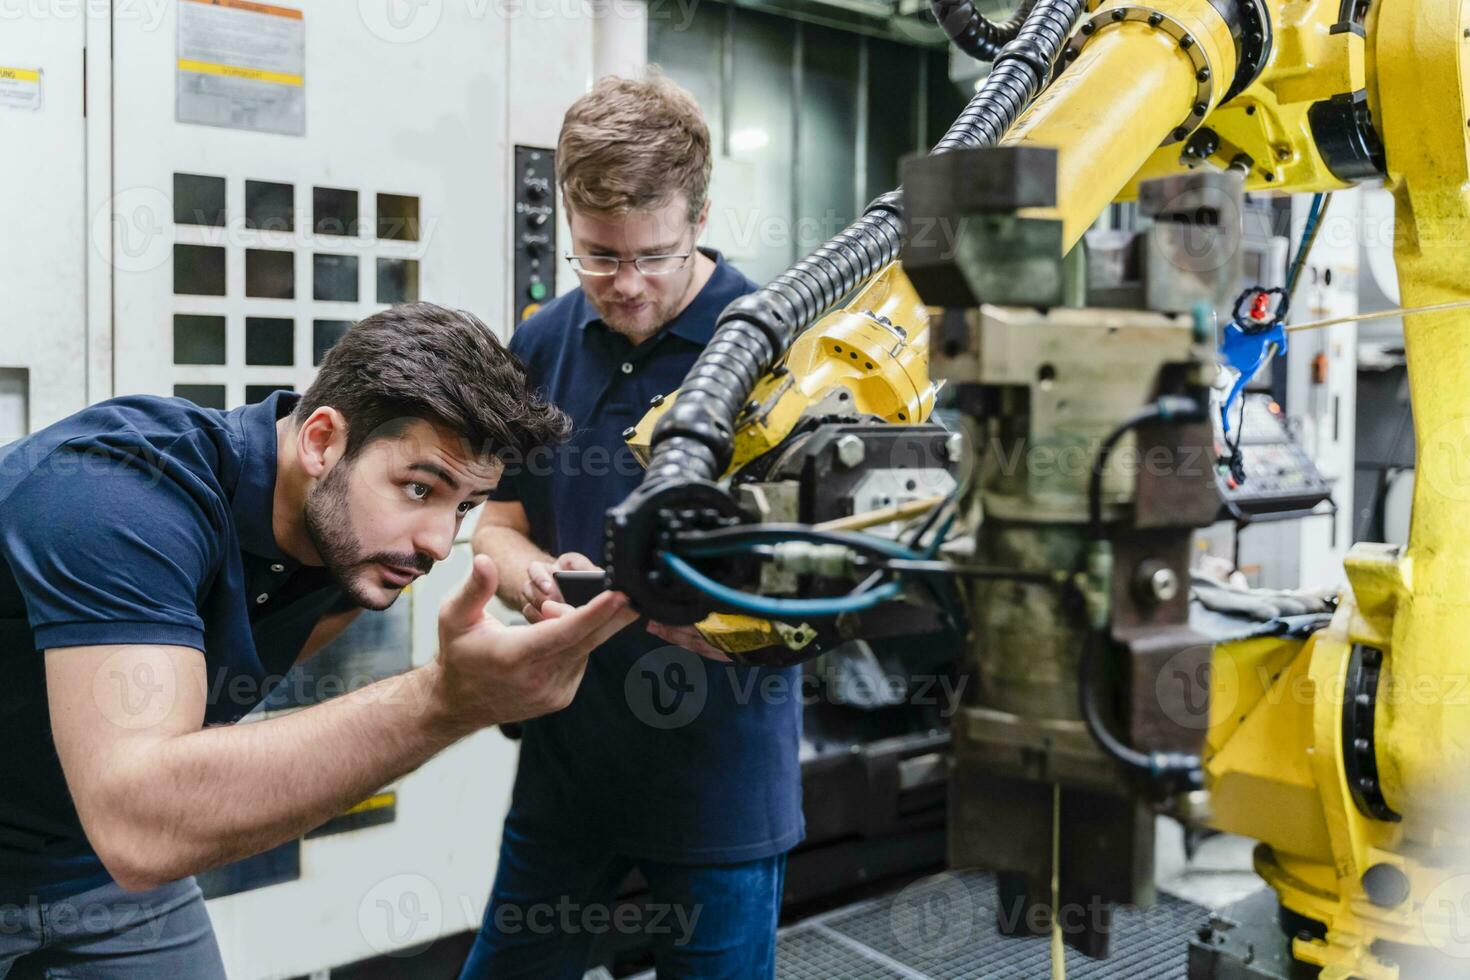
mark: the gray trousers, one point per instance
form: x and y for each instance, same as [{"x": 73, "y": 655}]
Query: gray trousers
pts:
[{"x": 108, "y": 933}]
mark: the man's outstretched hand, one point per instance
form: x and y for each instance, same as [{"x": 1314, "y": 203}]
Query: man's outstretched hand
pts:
[
  {"x": 540, "y": 586},
  {"x": 541, "y": 589},
  {"x": 489, "y": 673}
]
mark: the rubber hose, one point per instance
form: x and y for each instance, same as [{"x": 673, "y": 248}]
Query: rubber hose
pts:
[
  {"x": 972, "y": 32},
  {"x": 693, "y": 438}
]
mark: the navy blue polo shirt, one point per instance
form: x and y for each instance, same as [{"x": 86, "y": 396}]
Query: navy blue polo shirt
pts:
[
  {"x": 662, "y": 754},
  {"x": 139, "y": 520}
]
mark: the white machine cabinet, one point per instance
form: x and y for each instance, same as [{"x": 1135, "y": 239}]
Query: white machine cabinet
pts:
[{"x": 203, "y": 199}]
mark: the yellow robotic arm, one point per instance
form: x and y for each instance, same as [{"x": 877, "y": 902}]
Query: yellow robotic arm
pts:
[
  {"x": 1360, "y": 790},
  {"x": 1369, "y": 769}
]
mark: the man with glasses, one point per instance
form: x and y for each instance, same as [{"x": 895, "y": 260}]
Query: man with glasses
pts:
[{"x": 669, "y": 760}]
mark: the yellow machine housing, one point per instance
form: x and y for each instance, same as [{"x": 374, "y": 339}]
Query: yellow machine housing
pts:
[
  {"x": 1276, "y": 761},
  {"x": 869, "y": 358}
]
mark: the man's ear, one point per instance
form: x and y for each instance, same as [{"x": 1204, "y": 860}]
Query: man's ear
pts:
[
  {"x": 701, "y": 222},
  {"x": 321, "y": 441}
]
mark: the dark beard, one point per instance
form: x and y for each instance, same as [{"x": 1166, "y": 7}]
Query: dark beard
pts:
[{"x": 329, "y": 526}]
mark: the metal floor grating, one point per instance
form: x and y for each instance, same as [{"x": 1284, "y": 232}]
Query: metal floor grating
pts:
[{"x": 943, "y": 928}]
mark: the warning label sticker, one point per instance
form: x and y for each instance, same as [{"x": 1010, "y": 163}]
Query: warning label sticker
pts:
[
  {"x": 20, "y": 88},
  {"x": 242, "y": 65}
]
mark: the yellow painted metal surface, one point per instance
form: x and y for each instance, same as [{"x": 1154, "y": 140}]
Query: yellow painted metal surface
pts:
[
  {"x": 1276, "y": 741},
  {"x": 1268, "y": 121},
  {"x": 1423, "y": 94},
  {"x": 875, "y": 351},
  {"x": 874, "y": 354},
  {"x": 1130, "y": 87},
  {"x": 1413, "y": 604}
]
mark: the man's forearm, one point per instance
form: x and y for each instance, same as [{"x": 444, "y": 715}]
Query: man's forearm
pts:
[
  {"x": 512, "y": 553},
  {"x": 204, "y": 798}
]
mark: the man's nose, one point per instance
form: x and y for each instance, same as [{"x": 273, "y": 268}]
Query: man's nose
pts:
[
  {"x": 435, "y": 537},
  {"x": 628, "y": 279}
]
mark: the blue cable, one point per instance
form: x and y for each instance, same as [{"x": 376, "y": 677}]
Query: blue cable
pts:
[
  {"x": 776, "y": 608},
  {"x": 1314, "y": 214},
  {"x": 938, "y": 540},
  {"x": 1248, "y": 346}
]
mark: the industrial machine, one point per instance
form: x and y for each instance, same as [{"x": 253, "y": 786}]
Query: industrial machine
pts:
[
  {"x": 1053, "y": 525},
  {"x": 208, "y": 195}
]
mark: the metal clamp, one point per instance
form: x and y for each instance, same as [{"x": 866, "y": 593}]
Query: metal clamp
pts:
[{"x": 1204, "y": 72}]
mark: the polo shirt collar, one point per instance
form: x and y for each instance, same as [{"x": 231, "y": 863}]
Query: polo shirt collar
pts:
[
  {"x": 696, "y": 323},
  {"x": 255, "y": 491}
]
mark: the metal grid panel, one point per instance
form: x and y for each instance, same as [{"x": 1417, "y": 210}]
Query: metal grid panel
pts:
[
  {"x": 924, "y": 928},
  {"x": 812, "y": 954},
  {"x": 943, "y": 928}
]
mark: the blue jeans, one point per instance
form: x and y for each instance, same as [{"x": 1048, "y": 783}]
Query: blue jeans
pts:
[
  {"x": 109, "y": 934},
  {"x": 552, "y": 900}
]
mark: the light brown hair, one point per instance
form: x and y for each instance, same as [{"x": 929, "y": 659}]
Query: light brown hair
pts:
[{"x": 632, "y": 145}]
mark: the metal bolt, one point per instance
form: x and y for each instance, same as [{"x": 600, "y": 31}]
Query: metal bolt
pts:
[
  {"x": 1200, "y": 108},
  {"x": 629, "y": 431},
  {"x": 1119, "y": 14},
  {"x": 1283, "y": 153},
  {"x": 1186, "y": 42},
  {"x": 656, "y": 400},
  {"x": 1164, "y": 584},
  {"x": 1089, "y": 29},
  {"x": 1203, "y": 75},
  {"x": 1154, "y": 581},
  {"x": 1154, "y": 20},
  {"x": 851, "y": 451},
  {"x": 1386, "y": 886},
  {"x": 1180, "y": 133}
]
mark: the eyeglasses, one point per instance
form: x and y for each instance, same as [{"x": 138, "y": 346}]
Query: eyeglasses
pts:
[{"x": 648, "y": 265}]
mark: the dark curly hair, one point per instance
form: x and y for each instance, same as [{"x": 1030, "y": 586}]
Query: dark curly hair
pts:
[{"x": 422, "y": 361}]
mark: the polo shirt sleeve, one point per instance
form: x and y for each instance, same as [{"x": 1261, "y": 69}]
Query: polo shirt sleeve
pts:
[{"x": 109, "y": 551}]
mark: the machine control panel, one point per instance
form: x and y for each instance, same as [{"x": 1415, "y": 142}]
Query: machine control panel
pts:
[
  {"x": 533, "y": 234},
  {"x": 1279, "y": 475}
]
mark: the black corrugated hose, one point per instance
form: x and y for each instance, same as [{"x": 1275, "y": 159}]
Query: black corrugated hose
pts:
[
  {"x": 693, "y": 439},
  {"x": 972, "y": 32}
]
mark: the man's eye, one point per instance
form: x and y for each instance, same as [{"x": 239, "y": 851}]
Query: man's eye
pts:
[
  {"x": 418, "y": 491},
  {"x": 466, "y": 507}
]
